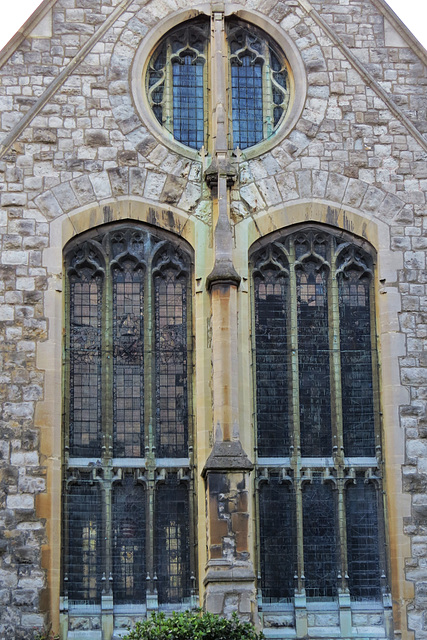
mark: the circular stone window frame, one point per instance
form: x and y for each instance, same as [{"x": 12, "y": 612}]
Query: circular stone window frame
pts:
[{"x": 297, "y": 77}]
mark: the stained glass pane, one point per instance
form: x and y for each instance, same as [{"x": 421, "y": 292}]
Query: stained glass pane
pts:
[
  {"x": 356, "y": 365},
  {"x": 320, "y": 541},
  {"x": 271, "y": 318},
  {"x": 172, "y": 540},
  {"x": 277, "y": 540},
  {"x": 85, "y": 550},
  {"x": 363, "y": 540},
  {"x": 313, "y": 359},
  {"x": 85, "y": 365},
  {"x": 129, "y": 542},
  {"x": 128, "y": 335},
  {"x": 171, "y": 365}
]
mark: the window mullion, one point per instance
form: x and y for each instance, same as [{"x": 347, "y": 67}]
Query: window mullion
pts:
[
  {"x": 168, "y": 91},
  {"x": 107, "y": 568},
  {"x": 267, "y": 98},
  {"x": 107, "y": 363},
  {"x": 336, "y": 406},
  {"x": 296, "y": 440},
  {"x": 335, "y": 362}
]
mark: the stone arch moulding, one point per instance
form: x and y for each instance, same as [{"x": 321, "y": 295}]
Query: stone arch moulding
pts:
[
  {"x": 142, "y": 57},
  {"x": 391, "y": 347},
  {"x": 48, "y": 415}
]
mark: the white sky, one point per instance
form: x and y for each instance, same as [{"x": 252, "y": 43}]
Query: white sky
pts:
[{"x": 13, "y": 13}]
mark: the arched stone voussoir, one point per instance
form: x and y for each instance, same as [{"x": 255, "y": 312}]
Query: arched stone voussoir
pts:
[{"x": 283, "y": 187}]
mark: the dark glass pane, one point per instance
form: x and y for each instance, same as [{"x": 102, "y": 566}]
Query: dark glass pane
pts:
[
  {"x": 356, "y": 365},
  {"x": 85, "y": 365},
  {"x": 171, "y": 365},
  {"x": 85, "y": 537},
  {"x": 172, "y": 540},
  {"x": 188, "y": 110},
  {"x": 313, "y": 358},
  {"x": 128, "y": 341},
  {"x": 272, "y": 364},
  {"x": 363, "y": 540},
  {"x": 320, "y": 540},
  {"x": 277, "y": 540},
  {"x": 129, "y": 542},
  {"x": 247, "y": 102}
]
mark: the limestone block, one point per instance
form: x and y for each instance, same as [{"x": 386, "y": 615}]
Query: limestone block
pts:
[{"x": 154, "y": 184}]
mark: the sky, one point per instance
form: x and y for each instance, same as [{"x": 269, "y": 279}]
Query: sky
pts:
[{"x": 412, "y": 12}]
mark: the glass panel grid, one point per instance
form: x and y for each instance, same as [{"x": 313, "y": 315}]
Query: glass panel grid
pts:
[
  {"x": 356, "y": 365},
  {"x": 84, "y": 543},
  {"x": 319, "y": 540},
  {"x": 129, "y": 574},
  {"x": 277, "y": 540},
  {"x": 247, "y": 103},
  {"x": 128, "y": 336},
  {"x": 313, "y": 351},
  {"x": 172, "y": 540},
  {"x": 188, "y": 107},
  {"x": 362, "y": 540},
  {"x": 171, "y": 366},
  {"x": 272, "y": 365},
  {"x": 85, "y": 366}
]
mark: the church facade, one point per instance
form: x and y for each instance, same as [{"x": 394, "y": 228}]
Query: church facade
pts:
[{"x": 213, "y": 316}]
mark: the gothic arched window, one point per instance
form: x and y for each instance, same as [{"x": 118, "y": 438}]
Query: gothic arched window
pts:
[
  {"x": 127, "y": 436},
  {"x": 319, "y": 462},
  {"x": 258, "y": 79}
]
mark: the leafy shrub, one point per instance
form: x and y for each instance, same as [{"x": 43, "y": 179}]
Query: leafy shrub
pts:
[{"x": 193, "y": 625}]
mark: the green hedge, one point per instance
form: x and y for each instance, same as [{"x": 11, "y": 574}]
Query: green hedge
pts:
[{"x": 193, "y": 625}]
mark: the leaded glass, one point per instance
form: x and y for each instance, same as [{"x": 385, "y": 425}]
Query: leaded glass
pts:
[
  {"x": 258, "y": 75},
  {"x": 129, "y": 541},
  {"x": 176, "y": 80},
  {"x": 271, "y": 318},
  {"x": 313, "y": 350},
  {"x": 188, "y": 108},
  {"x": 126, "y": 367},
  {"x": 85, "y": 363},
  {"x": 84, "y": 542},
  {"x": 315, "y": 361},
  {"x": 362, "y": 540},
  {"x": 356, "y": 364},
  {"x": 128, "y": 336},
  {"x": 247, "y": 102},
  {"x": 277, "y": 539},
  {"x": 172, "y": 540},
  {"x": 319, "y": 540},
  {"x": 171, "y": 364}
]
